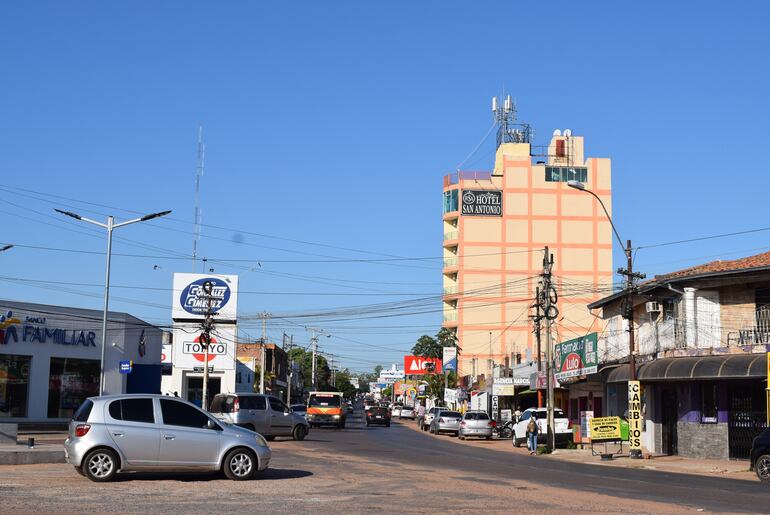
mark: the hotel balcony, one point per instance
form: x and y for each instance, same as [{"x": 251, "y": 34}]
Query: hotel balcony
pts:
[{"x": 450, "y": 238}]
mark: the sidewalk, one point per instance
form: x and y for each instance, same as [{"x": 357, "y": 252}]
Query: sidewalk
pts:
[
  {"x": 673, "y": 464},
  {"x": 49, "y": 448}
]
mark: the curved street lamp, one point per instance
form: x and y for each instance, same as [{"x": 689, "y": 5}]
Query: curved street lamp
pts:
[
  {"x": 629, "y": 307},
  {"x": 110, "y": 225}
]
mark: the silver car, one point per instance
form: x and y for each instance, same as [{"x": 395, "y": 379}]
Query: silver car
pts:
[
  {"x": 446, "y": 421},
  {"x": 475, "y": 423},
  {"x": 264, "y": 414},
  {"x": 121, "y": 433}
]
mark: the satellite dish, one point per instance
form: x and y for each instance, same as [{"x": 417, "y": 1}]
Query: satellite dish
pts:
[
  {"x": 557, "y": 132},
  {"x": 567, "y": 133}
]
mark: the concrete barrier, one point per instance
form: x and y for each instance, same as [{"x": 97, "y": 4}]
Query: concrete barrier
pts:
[{"x": 22, "y": 455}]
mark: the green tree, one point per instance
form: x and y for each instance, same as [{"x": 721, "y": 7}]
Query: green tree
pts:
[
  {"x": 427, "y": 346},
  {"x": 446, "y": 337}
]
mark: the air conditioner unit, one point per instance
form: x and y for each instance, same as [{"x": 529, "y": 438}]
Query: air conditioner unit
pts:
[{"x": 652, "y": 307}]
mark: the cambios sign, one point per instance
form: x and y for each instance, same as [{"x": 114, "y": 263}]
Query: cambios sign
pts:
[
  {"x": 419, "y": 365},
  {"x": 191, "y": 302}
]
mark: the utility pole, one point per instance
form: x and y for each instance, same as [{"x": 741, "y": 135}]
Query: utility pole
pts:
[
  {"x": 205, "y": 340},
  {"x": 264, "y": 316},
  {"x": 314, "y": 342},
  {"x": 551, "y": 312},
  {"x": 537, "y": 319},
  {"x": 628, "y": 314},
  {"x": 290, "y": 374}
]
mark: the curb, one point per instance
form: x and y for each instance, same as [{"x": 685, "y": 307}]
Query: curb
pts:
[{"x": 25, "y": 456}]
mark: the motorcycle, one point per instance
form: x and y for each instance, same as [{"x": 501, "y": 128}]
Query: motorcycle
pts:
[{"x": 504, "y": 431}]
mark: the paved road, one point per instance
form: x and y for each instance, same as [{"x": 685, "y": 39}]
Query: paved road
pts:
[{"x": 396, "y": 469}]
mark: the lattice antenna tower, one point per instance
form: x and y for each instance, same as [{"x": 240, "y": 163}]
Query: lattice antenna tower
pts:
[
  {"x": 508, "y": 131},
  {"x": 198, "y": 215}
]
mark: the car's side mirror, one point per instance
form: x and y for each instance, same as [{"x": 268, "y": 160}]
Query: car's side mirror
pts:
[{"x": 213, "y": 425}]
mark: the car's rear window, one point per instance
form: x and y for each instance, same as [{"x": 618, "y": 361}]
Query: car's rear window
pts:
[
  {"x": 476, "y": 416},
  {"x": 299, "y": 407},
  {"x": 557, "y": 413},
  {"x": 378, "y": 410},
  {"x": 450, "y": 414},
  {"x": 83, "y": 412}
]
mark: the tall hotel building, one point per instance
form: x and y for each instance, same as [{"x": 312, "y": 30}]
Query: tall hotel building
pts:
[{"x": 495, "y": 226}]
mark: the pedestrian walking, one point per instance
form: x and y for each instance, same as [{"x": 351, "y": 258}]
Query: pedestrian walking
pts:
[
  {"x": 532, "y": 434},
  {"x": 421, "y": 416}
]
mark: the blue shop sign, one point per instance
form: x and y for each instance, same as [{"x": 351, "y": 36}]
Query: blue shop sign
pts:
[{"x": 126, "y": 365}]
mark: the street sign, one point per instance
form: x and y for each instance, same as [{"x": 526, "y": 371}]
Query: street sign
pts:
[
  {"x": 419, "y": 365},
  {"x": 126, "y": 366},
  {"x": 495, "y": 406},
  {"x": 605, "y": 429},
  {"x": 200, "y": 369}
]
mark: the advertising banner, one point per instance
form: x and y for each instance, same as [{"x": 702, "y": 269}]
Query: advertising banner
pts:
[
  {"x": 635, "y": 415},
  {"x": 391, "y": 376},
  {"x": 482, "y": 203},
  {"x": 450, "y": 358},
  {"x": 576, "y": 357},
  {"x": 417, "y": 365},
  {"x": 190, "y": 302},
  {"x": 190, "y": 354},
  {"x": 605, "y": 429},
  {"x": 450, "y": 396}
]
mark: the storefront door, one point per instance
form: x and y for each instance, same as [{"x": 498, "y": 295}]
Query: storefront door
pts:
[
  {"x": 669, "y": 418},
  {"x": 195, "y": 389}
]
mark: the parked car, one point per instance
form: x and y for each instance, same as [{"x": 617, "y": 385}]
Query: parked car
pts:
[
  {"x": 300, "y": 409},
  {"x": 264, "y": 414},
  {"x": 378, "y": 415},
  {"x": 562, "y": 430},
  {"x": 446, "y": 421},
  {"x": 475, "y": 423},
  {"x": 429, "y": 416},
  {"x": 406, "y": 412},
  {"x": 396, "y": 411},
  {"x": 760, "y": 456},
  {"x": 121, "y": 433}
]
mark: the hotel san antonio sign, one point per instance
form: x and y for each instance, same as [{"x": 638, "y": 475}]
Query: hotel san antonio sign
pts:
[{"x": 482, "y": 203}]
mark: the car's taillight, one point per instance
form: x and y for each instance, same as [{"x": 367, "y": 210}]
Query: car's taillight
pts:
[
  {"x": 236, "y": 406},
  {"x": 492, "y": 423},
  {"x": 569, "y": 425},
  {"x": 82, "y": 429},
  {"x": 441, "y": 419},
  {"x": 462, "y": 423}
]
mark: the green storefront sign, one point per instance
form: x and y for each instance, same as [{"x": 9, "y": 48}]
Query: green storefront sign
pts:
[{"x": 576, "y": 357}]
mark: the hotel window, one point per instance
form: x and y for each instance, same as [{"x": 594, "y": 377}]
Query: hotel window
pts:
[
  {"x": 14, "y": 385},
  {"x": 451, "y": 202},
  {"x": 566, "y": 173},
  {"x": 70, "y": 382}
]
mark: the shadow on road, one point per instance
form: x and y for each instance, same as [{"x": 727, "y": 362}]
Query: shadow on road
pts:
[{"x": 271, "y": 474}]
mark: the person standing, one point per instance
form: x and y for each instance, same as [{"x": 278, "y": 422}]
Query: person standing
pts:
[
  {"x": 532, "y": 434},
  {"x": 421, "y": 416}
]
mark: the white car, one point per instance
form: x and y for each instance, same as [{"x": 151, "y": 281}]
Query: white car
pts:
[
  {"x": 562, "y": 430},
  {"x": 395, "y": 411},
  {"x": 429, "y": 416},
  {"x": 407, "y": 412}
]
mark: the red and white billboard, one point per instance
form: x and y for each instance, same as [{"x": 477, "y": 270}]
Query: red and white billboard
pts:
[{"x": 417, "y": 365}]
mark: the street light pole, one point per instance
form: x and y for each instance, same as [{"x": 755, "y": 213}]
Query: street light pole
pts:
[
  {"x": 110, "y": 226},
  {"x": 628, "y": 307}
]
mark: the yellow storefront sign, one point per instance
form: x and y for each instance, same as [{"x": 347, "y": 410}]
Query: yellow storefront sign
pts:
[
  {"x": 605, "y": 429},
  {"x": 635, "y": 415}
]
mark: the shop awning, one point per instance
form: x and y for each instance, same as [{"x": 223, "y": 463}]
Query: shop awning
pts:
[{"x": 734, "y": 366}]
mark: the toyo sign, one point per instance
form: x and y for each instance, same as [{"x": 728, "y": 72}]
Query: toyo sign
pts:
[{"x": 576, "y": 357}]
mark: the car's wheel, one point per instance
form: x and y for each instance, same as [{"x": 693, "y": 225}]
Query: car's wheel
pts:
[
  {"x": 487, "y": 438},
  {"x": 461, "y": 437},
  {"x": 270, "y": 438},
  {"x": 387, "y": 424},
  {"x": 300, "y": 432},
  {"x": 100, "y": 465},
  {"x": 762, "y": 467},
  {"x": 240, "y": 464}
]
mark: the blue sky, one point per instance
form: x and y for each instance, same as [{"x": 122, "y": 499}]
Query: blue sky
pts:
[{"x": 331, "y": 124}]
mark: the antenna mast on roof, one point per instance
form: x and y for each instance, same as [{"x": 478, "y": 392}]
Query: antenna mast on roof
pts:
[
  {"x": 198, "y": 215},
  {"x": 508, "y": 131}
]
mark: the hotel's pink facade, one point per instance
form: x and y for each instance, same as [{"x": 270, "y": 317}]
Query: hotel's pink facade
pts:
[{"x": 492, "y": 261}]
